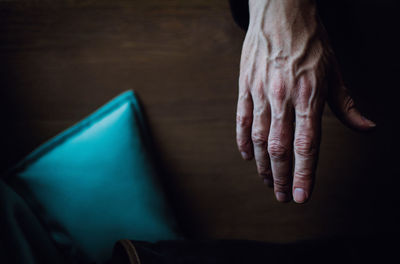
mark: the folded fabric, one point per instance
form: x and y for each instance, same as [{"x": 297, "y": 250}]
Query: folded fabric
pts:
[
  {"x": 340, "y": 250},
  {"x": 96, "y": 183},
  {"x": 22, "y": 238}
]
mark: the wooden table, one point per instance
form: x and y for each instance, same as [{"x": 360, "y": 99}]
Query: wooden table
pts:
[{"x": 60, "y": 61}]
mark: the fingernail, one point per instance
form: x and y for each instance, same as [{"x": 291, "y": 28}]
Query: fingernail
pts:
[
  {"x": 268, "y": 182},
  {"x": 299, "y": 195},
  {"x": 369, "y": 122},
  {"x": 281, "y": 196},
  {"x": 245, "y": 155}
]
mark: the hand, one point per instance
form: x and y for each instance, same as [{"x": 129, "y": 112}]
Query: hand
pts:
[{"x": 287, "y": 72}]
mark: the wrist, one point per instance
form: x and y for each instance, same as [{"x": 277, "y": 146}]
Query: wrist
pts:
[
  {"x": 281, "y": 13},
  {"x": 283, "y": 22}
]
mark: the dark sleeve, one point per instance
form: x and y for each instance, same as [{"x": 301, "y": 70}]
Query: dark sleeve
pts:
[
  {"x": 240, "y": 12},
  {"x": 239, "y": 252}
]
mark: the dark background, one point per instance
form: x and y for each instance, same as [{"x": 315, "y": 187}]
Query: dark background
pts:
[{"x": 60, "y": 60}]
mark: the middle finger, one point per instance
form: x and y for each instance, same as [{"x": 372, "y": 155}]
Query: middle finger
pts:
[{"x": 280, "y": 143}]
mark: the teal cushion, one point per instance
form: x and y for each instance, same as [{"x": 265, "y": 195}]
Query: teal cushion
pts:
[{"x": 96, "y": 183}]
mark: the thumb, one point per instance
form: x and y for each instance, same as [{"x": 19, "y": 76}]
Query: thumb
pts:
[{"x": 342, "y": 104}]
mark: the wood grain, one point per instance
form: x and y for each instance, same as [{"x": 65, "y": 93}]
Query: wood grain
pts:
[{"x": 60, "y": 61}]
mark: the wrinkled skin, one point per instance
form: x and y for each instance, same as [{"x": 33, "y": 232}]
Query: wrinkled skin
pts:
[{"x": 287, "y": 72}]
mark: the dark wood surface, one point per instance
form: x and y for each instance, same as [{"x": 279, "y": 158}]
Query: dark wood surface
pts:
[{"x": 59, "y": 62}]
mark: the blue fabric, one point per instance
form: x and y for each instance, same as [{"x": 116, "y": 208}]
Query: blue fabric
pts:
[
  {"x": 22, "y": 237},
  {"x": 96, "y": 183}
]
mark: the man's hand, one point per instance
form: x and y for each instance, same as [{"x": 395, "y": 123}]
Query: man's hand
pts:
[{"x": 287, "y": 73}]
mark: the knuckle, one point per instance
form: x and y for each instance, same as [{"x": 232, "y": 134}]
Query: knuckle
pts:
[
  {"x": 265, "y": 175},
  {"x": 243, "y": 120},
  {"x": 305, "y": 89},
  {"x": 305, "y": 146},
  {"x": 303, "y": 175},
  {"x": 259, "y": 137},
  {"x": 278, "y": 92},
  {"x": 243, "y": 143},
  {"x": 281, "y": 183},
  {"x": 348, "y": 103},
  {"x": 305, "y": 115},
  {"x": 258, "y": 91},
  {"x": 277, "y": 151},
  {"x": 244, "y": 96},
  {"x": 263, "y": 169}
]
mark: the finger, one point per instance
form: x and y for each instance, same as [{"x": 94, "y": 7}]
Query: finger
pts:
[
  {"x": 260, "y": 131},
  {"x": 244, "y": 120},
  {"x": 306, "y": 146},
  {"x": 342, "y": 104},
  {"x": 280, "y": 148},
  {"x": 309, "y": 103}
]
